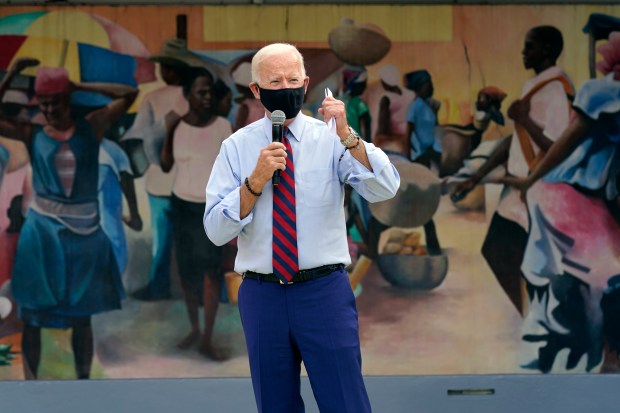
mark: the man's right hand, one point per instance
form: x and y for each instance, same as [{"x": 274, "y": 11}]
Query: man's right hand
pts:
[
  {"x": 133, "y": 221},
  {"x": 519, "y": 110},
  {"x": 462, "y": 189},
  {"x": 272, "y": 157}
]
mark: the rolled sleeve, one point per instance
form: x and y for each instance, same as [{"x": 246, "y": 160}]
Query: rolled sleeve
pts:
[
  {"x": 377, "y": 185},
  {"x": 221, "y": 219}
]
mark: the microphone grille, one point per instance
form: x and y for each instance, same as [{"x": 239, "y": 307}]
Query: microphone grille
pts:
[{"x": 278, "y": 117}]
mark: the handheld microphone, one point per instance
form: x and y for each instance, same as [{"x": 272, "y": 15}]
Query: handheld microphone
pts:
[{"x": 277, "y": 128}]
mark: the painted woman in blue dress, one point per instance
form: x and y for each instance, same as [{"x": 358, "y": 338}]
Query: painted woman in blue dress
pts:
[
  {"x": 571, "y": 261},
  {"x": 65, "y": 270}
]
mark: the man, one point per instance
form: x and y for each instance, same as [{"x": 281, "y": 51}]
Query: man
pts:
[
  {"x": 295, "y": 301},
  {"x": 424, "y": 146},
  {"x": 540, "y": 115},
  {"x": 572, "y": 252},
  {"x": 422, "y": 119},
  {"x": 388, "y": 102},
  {"x": 174, "y": 60}
]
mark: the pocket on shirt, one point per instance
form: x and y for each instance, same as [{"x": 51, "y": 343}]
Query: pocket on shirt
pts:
[{"x": 321, "y": 187}]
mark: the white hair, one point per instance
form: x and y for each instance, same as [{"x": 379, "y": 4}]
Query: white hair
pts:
[{"x": 271, "y": 50}]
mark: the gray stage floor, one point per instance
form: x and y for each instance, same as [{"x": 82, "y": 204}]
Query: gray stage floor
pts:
[{"x": 413, "y": 394}]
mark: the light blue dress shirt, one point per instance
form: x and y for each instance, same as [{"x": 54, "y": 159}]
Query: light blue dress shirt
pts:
[{"x": 321, "y": 170}]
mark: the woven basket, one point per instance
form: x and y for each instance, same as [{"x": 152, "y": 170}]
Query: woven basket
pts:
[{"x": 358, "y": 44}]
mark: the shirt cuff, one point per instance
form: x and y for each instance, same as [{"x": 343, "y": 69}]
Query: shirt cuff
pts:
[
  {"x": 378, "y": 161},
  {"x": 231, "y": 208}
]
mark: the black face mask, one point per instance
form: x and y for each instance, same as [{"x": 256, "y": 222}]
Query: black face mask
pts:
[{"x": 288, "y": 101}]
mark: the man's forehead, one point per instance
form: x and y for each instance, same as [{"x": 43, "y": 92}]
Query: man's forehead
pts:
[
  {"x": 530, "y": 37},
  {"x": 281, "y": 64},
  {"x": 281, "y": 74}
]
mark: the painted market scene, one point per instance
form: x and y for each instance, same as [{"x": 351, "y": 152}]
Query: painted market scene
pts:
[{"x": 499, "y": 253}]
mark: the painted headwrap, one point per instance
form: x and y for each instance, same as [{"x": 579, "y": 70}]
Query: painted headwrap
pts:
[
  {"x": 414, "y": 80},
  {"x": 51, "y": 80}
]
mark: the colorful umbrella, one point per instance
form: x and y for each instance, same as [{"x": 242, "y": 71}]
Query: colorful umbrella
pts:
[{"x": 90, "y": 47}]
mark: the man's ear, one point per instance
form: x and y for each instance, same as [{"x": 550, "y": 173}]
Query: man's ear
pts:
[{"x": 255, "y": 90}]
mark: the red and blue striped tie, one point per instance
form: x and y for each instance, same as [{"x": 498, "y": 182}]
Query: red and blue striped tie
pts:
[{"x": 285, "y": 264}]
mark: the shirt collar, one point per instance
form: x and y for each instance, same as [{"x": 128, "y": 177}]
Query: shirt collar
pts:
[{"x": 296, "y": 127}]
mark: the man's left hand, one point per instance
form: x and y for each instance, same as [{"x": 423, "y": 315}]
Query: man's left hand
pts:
[
  {"x": 522, "y": 184},
  {"x": 519, "y": 110},
  {"x": 133, "y": 221},
  {"x": 334, "y": 108}
]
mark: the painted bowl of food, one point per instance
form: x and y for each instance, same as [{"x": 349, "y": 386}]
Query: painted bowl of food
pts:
[{"x": 423, "y": 272}]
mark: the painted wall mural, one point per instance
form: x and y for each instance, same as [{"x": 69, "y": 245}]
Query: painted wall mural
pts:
[{"x": 500, "y": 253}]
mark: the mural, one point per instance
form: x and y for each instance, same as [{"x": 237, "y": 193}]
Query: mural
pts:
[{"x": 498, "y": 255}]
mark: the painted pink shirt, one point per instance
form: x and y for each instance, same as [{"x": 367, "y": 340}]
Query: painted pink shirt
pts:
[
  {"x": 195, "y": 150},
  {"x": 398, "y": 107},
  {"x": 549, "y": 108}
]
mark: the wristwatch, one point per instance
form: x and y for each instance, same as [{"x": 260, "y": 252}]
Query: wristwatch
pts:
[{"x": 352, "y": 136}]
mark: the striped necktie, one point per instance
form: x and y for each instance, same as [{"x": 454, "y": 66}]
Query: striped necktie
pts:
[{"x": 285, "y": 264}]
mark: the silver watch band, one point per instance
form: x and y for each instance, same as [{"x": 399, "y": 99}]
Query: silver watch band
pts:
[{"x": 352, "y": 136}]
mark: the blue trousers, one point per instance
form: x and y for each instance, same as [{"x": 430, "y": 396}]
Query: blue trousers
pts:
[
  {"x": 161, "y": 225},
  {"x": 314, "y": 322}
]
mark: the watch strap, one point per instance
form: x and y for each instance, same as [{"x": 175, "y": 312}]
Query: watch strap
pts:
[{"x": 349, "y": 140}]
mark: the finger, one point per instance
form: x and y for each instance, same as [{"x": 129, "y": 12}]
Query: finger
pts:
[
  {"x": 330, "y": 103},
  {"x": 278, "y": 152},
  {"x": 268, "y": 156},
  {"x": 275, "y": 145},
  {"x": 279, "y": 155},
  {"x": 278, "y": 163}
]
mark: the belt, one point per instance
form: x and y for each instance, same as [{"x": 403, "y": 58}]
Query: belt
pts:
[
  {"x": 301, "y": 276},
  {"x": 81, "y": 218}
]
